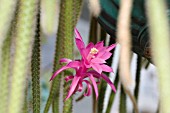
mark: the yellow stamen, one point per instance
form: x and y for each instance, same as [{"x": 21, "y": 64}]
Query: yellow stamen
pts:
[{"x": 94, "y": 51}]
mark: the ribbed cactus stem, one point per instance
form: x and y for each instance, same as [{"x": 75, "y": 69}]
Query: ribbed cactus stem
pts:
[
  {"x": 64, "y": 48},
  {"x": 25, "y": 32},
  {"x": 35, "y": 67},
  {"x": 4, "y": 86},
  {"x": 160, "y": 41},
  {"x": 77, "y": 9},
  {"x": 68, "y": 46},
  {"x": 7, "y": 11}
]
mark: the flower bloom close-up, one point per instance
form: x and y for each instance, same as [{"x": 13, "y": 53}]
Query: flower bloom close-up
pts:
[{"x": 89, "y": 69}]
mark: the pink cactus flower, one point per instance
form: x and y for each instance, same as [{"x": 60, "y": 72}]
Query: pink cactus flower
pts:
[
  {"x": 82, "y": 73},
  {"x": 93, "y": 57}
]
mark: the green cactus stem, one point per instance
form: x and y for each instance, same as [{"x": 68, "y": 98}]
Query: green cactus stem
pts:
[
  {"x": 64, "y": 48},
  {"x": 160, "y": 43},
  {"x": 7, "y": 11},
  {"x": 5, "y": 69},
  {"x": 50, "y": 9},
  {"x": 112, "y": 95},
  {"x": 77, "y": 9},
  {"x": 122, "y": 107},
  {"x": 5, "y": 72},
  {"x": 35, "y": 67},
  {"x": 24, "y": 36}
]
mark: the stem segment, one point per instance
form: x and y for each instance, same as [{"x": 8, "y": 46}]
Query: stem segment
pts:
[
  {"x": 35, "y": 66},
  {"x": 160, "y": 43},
  {"x": 24, "y": 36}
]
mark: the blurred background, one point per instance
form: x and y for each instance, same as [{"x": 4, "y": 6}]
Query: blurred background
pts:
[{"x": 35, "y": 34}]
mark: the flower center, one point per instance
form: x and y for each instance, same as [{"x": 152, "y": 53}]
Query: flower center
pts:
[{"x": 94, "y": 51}]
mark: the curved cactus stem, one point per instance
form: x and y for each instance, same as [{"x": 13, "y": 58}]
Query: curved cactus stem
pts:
[
  {"x": 24, "y": 36},
  {"x": 124, "y": 38}
]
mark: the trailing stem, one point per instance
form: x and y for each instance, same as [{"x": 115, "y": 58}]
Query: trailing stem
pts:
[
  {"x": 35, "y": 66},
  {"x": 161, "y": 55},
  {"x": 25, "y": 30}
]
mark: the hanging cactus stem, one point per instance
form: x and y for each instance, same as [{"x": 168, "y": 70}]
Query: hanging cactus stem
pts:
[
  {"x": 35, "y": 66},
  {"x": 24, "y": 36},
  {"x": 68, "y": 18}
]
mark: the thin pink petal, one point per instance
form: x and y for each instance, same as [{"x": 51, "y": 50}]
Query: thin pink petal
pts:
[
  {"x": 68, "y": 78},
  {"x": 65, "y": 60},
  {"x": 108, "y": 81},
  {"x": 89, "y": 89},
  {"x": 89, "y": 46},
  {"x": 80, "y": 44},
  {"x": 95, "y": 74},
  {"x": 78, "y": 34},
  {"x": 73, "y": 87},
  {"x": 80, "y": 87},
  {"x": 99, "y": 45},
  {"x": 101, "y": 52},
  {"x": 84, "y": 53},
  {"x": 106, "y": 55},
  {"x": 58, "y": 71},
  {"x": 94, "y": 85},
  {"x": 106, "y": 68},
  {"x": 98, "y": 60},
  {"x": 111, "y": 47},
  {"x": 104, "y": 77},
  {"x": 74, "y": 64},
  {"x": 97, "y": 68}
]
